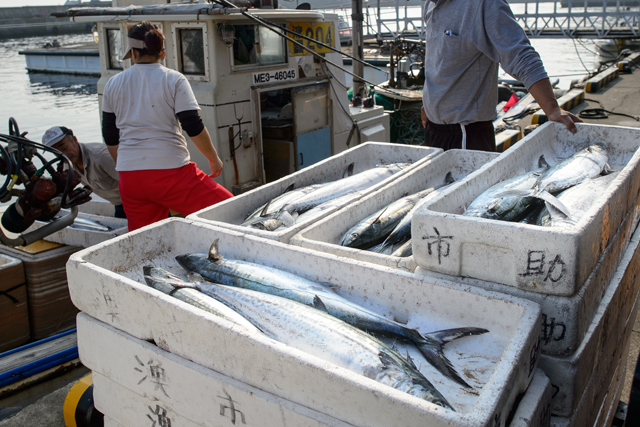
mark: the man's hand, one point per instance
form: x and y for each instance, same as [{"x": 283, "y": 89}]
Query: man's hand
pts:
[
  {"x": 216, "y": 168},
  {"x": 544, "y": 96},
  {"x": 566, "y": 118},
  {"x": 424, "y": 117}
]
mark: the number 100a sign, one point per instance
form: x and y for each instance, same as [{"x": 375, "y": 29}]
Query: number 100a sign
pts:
[{"x": 323, "y": 32}]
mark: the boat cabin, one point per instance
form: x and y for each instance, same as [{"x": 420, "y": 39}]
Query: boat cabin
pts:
[{"x": 271, "y": 107}]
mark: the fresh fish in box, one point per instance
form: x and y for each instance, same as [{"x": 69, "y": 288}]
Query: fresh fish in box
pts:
[
  {"x": 269, "y": 280},
  {"x": 314, "y": 331},
  {"x": 496, "y": 203},
  {"x": 335, "y": 189},
  {"x": 578, "y": 200},
  {"x": 586, "y": 163},
  {"x": 402, "y": 232},
  {"x": 375, "y": 228},
  {"x": 275, "y": 205},
  {"x": 159, "y": 280}
]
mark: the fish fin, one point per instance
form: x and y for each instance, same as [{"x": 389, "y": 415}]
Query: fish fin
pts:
[
  {"x": 385, "y": 359},
  {"x": 329, "y": 286},
  {"x": 263, "y": 213},
  {"x": 394, "y": 347},
  {"x": 349, "y": 170},
  {"x": 285, "y": 218},
  {"x": 319, "y": 305},
  {"x": 289, "y": 188},
  {"x": 410, "y": 361},
  {"x": 448, "y": 335},
  {"x": 449, "y": 179},
  {"x": 538, "y": 194},
  {"x": 557, "y": 215},
  {"x": 551, "y": 200},
  {"x": 214, "y": 253},
  {"x": 379, "y": 215},
  {"x": 432, "y": 344},
  {"x": 542, "y": 162}
]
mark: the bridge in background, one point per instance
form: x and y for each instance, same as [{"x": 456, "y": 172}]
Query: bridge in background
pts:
[{"x": 585, "y": 19}]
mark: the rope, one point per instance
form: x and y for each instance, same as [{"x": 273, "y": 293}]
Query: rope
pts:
[{"x": 601, "y": 113}]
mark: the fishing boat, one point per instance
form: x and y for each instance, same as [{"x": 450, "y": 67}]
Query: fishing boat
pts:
[{"x": 273, "y": 104}]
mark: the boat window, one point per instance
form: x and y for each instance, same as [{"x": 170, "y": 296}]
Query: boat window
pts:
[
  {"x": 115, "y": 49},
  {"x": 253, "y": 46},
  {"x": 191, "y": 51}
]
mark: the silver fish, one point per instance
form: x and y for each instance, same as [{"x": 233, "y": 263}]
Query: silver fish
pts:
[
  {"x": 341, "y": 187},
  {"x": 276, "y": 204},
  {"x": 578, "y": 200},
  {"x": 161, "y": 280},
  {"x": 271, "y": 222},
  {"x": 320, "y": 210},
  {"x": 81, "y": 223},
  {"x": 586, "y": 163},
  {"x": 314, "y": 331},
  {"x": 494, "y": 203},
  {"x": 406, "y": 250},
  {"x": 402, "y": 232},
  {"x": 273, "y": 281},
  {"x": 375, "y": 228}
]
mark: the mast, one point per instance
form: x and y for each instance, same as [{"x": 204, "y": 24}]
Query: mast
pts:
[{"x": 357, "y": 19}]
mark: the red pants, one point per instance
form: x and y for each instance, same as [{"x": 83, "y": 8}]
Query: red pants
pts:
[{"x": 147, "y": 195}]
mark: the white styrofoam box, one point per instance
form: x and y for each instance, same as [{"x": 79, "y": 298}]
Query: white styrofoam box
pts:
[
  {"x": 106, "y": 283},
  {"x": 203, "y": 396},
  {"x": 548, "y": 260},
  {"x": 609, "y": 332},
  {"x": 232, "y": 212},
  {"x": 613, "y": 406},
  {"x": 97, "y": 206},
  {"x": 599, "y": 394},
  {"x": 326, "y": 234},
  {"x": 534, "y": 410},
  {"x": 565, "y": 320},
  {"x": 129, "y": 409},
  {"x": 110, "y": 422},
  {"x": 85, "y": 238}
]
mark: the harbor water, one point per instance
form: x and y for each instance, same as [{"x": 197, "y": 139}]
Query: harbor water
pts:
[{"x": 40, "y": 100}]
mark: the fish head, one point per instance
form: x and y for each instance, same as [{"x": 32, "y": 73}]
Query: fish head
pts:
[
  {"x": 349, "y": 238},
  {"x": 192, "y": 262}
]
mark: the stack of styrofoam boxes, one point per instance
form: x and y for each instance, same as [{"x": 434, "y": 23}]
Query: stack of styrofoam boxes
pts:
[
  {"x": 50, "y": 308},
  {"x": 325, "y": 235},
  {"x": 583, "y": 277},
  {"x": 14, "y": 313},
  {"x": 231, "y": 213},
  {"x": 157, "y": 358}
]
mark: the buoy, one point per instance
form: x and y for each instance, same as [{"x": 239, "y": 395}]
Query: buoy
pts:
[{"x": 78, "y": 406}]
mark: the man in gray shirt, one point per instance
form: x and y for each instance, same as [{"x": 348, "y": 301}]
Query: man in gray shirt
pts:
[
  {"x": 466, "y": 42},
  {"x": 93, "y": 162}
]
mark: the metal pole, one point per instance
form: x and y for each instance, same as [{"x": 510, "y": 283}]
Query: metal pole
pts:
[{"x": 357, "y": 33}]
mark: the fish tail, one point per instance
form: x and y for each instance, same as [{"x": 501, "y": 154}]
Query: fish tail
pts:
[{"x": 432, "y": 344}]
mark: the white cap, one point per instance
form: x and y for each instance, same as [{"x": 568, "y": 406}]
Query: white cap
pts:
[{"x": 54, "y": 135}]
